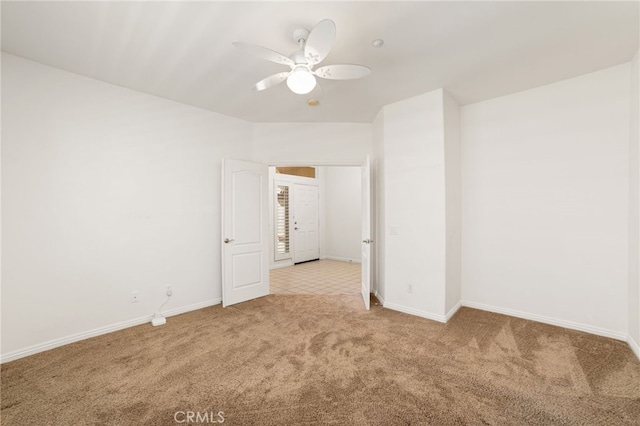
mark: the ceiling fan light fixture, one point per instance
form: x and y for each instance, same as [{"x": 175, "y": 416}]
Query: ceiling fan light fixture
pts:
[
  {"x": 301, "y": 81},
  {"x": 314, "y": 46}
]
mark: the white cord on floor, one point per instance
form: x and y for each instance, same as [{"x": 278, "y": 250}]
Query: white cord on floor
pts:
[
  {"x": 169, "y": 293},
  {"x": 160, "y": 308}
]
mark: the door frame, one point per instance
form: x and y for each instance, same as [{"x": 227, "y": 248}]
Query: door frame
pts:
[{"x": 373, "y": 218}]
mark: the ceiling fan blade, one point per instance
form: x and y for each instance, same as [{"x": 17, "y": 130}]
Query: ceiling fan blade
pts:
[
  {"x": 342, "y": 72},
  {"x": 271, "y": 81},
  {"x": 320, "y": 41},
  {"x": 264, "y": 53}
]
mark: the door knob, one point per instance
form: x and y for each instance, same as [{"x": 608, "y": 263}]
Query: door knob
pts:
[{"x": 227, "y": 240}]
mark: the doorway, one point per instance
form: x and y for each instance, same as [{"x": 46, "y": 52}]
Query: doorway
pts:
[
  {"x": 247, "y": 200},
  {"x": 325, "y": 200}
]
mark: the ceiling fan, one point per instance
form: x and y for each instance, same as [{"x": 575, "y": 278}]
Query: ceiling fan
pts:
[{"x": 314, "y": 46}]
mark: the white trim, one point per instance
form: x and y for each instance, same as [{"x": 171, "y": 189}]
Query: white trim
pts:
[
  {"x": 547, "y": 320},
  {"x": 416, "y": 312},
  {"x": 311, "y": 163},
  {"x": 51, "y": 344},
  {"x": 283, "y": 179},
  {"x": 452, "y": 311},
  {"x": 192, "y": 307},
  {"x": 634, "y": 346},
  {"x": 340, "y": 259},
  {"x": 380, "y": 298}
]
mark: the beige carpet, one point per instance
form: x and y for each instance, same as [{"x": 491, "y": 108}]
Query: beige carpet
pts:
[{"x": 294, "y": 360}]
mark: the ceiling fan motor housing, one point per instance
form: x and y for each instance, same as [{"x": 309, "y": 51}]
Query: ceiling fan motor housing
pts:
[{"x": 301, "y": 35}]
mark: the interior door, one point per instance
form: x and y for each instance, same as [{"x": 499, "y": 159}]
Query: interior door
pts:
[
  {"x": 245, "y": 245},
  {"x": 366, "y": 232},
  {"x": 305, "y": 223}
]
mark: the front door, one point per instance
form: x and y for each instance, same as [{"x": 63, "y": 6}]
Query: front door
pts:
[
  {"x": 305, "y": 223},
  {"x": 245, "y": 244}
]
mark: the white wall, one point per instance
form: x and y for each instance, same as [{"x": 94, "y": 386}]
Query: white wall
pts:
[
  {"x": 105, "y": 191},
  {"x": 453, "y": 176},
  {"x": 311, "y": 143},
  {"x": 341, "y": 221},
  {"x": 634, "y": 209},
  {"x": 414, "y": 205},
  {"x": 545, "y": 186}
]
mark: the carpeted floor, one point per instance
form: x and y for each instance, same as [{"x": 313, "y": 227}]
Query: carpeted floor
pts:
[{"x": 295, "y": 360}]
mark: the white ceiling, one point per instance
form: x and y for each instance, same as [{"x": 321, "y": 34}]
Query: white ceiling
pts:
[{"x": 182, "y": 50}]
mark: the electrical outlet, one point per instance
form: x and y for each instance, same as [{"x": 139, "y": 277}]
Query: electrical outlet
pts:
[
  {"x": 169, "y": 291},
  {"x": 135, "y": 297},
  {"x": 409, "y": 288}
]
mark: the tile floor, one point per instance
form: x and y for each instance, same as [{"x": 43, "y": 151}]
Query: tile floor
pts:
[{"x": 317, "y": 277}]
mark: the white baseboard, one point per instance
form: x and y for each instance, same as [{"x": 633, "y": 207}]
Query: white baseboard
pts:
[
  {"x": 421, "y": 313},
  {"x": 340, "y": 259},
  {"x": 192, "y": 307},
  {"x": 380, "y": 298},
  {"x": 452, "y": 311},
  {"x": 51, "y": 344},
  {"x": 548, "y": 320},
  {"x": 282, "y": 264},
  {"x": 416, "y": 312},
  {"x": 634, "y": 346}
]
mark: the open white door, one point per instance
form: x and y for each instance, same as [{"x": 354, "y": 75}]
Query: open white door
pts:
[
  {"x": 366, "y": 232},
  {"x": 245, "y": 245}
]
